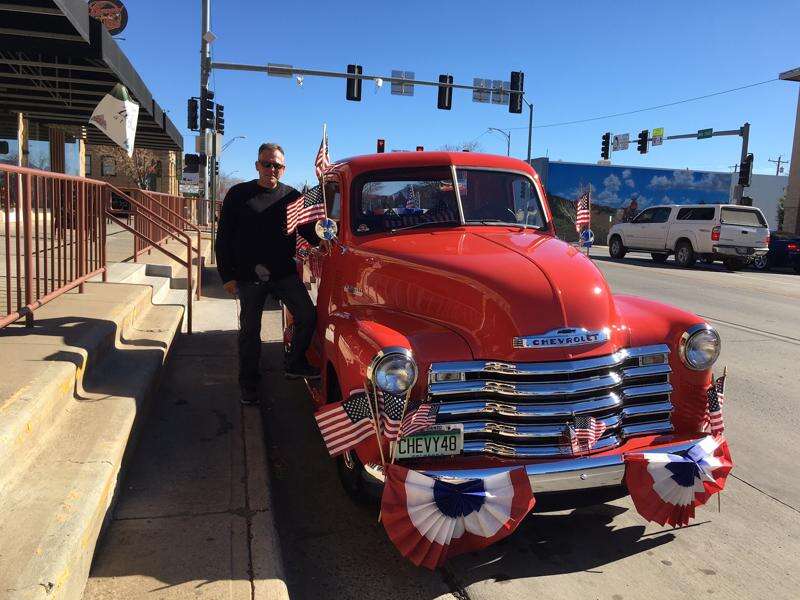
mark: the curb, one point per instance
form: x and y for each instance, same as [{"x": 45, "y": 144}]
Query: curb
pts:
[{"x": 266, "y": 560}]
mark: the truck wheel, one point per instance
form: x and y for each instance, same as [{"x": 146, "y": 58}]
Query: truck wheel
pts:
[
  {"x": 659, "y": 257},
  {"x": 616, "y": 248},
  {"x": 684, "y": 254},
  {"x": 733, "y": 264},
  {"x": 761, "y": 263}
]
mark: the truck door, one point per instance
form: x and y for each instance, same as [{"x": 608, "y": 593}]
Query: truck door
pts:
[
  {"x": 654, "y": 232},
  {"x": 742, "y": 226},
  {"x": 634, "y": 231}
]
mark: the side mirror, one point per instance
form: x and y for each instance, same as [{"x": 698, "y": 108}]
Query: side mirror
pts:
[{"x": 326, "y": 229}]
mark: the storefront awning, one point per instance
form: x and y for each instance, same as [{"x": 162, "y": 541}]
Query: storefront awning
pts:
[{"x": 56, "y": 63}]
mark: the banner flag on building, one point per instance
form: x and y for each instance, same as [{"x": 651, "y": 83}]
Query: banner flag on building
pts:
[
  {"x": 430, "y": 520},
  {"x": 666, "y": 488},
  {"x": 117, "y": 115}
]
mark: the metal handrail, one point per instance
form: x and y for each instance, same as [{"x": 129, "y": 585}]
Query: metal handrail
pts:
[
  {"x": 157, "y": 197},
  {"x": 59, "y": 237},
  {"x": 159, "y": 222}
]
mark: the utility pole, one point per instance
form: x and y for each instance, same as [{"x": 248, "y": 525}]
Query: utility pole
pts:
[
  {"x": 530, "y": 126},
  {"x": 778, "y": 164},
  {"x": 205, "y": 69}
]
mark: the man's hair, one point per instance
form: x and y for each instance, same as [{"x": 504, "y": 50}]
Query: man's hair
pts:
[{"x": 270, "y": 146}]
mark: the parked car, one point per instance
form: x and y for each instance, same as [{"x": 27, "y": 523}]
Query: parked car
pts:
[
  {"x": 784, "y": 251},
  {"x": 732, "y": 234},
  {"x": 447, "y": 266}
]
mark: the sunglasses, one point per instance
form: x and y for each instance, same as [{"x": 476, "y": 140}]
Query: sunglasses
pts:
[{"x": 266, "y": 164}]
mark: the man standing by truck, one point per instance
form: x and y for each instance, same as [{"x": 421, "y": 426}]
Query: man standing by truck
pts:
[{"x": 255, "y": 258}]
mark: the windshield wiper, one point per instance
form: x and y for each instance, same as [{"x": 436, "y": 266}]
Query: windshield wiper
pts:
[{"x": 426, "y": 223}]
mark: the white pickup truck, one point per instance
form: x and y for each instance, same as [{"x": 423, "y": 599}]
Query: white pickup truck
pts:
[{"x": 709, "y": 232}]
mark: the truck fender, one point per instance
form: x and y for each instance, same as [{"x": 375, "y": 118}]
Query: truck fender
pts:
[
  {"x": 650, "y": 322},
  {"x": 354, "y": 336}
]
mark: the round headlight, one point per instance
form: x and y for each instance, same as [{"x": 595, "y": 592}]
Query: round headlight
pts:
[
  {"x": 394, "y": 372},
  {"x": 700, "y": 347}
]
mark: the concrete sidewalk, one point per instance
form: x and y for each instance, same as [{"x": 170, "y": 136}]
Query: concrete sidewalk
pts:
[{"x": 194, "y": 519}]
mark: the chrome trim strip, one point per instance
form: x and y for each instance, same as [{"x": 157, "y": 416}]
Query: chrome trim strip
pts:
[
  {"x": 647, "y": 428},
  {"x": 567, "y": 409},
  {"x": 564, "y": 475},
  {"x": 647, "y": 350},
  {"x": 514, "y": 431},
  {"x": 543, "y": 451},
  {"x": 454, "y": 175},
  {"x": 646, "y": 371},
  {"x": 639, "y": 391},
  {"x": 503, "y": 388},
  {"x": 542, "y": 368},
  {"x": 646, "y": 409}
]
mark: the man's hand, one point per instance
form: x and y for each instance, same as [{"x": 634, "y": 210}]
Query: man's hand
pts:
[{"x": 231, "y": 287}]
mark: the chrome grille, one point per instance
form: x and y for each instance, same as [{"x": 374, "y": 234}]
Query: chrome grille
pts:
[{"x": 524, "y": 409}]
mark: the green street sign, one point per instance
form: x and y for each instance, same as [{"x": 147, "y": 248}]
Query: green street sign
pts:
[{"x": 704, "y": 133}]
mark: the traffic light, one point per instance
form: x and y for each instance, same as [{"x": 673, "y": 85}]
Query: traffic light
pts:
[
  {"x": 381, "y": 146},
  {"x": 420, "y": 148},
  {"x": 641, "y": 144},
  {"x": 219, "y": 119},
  {"x": 206, "y": 109},
  {"x": 445, "y": 100},
  {"x": 517, "y": 87},
  {"x": 191, "y": 163},
  {"x": 353, "y": 83},
  {"x": 605, "y": 149},
  {"x": 192, "y": 114},
  {"x": 746, "y": 171},
  {"x": 216, "y": 167}
]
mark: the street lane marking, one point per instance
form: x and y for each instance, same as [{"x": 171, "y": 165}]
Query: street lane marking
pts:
[{"x": 781, "y": 337}]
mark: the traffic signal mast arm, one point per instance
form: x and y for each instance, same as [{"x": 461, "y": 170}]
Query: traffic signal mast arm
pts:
[{"x": 277, "y": 70}]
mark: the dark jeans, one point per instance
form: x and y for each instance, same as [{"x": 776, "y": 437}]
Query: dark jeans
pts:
[{"x": 252, "y": 296}]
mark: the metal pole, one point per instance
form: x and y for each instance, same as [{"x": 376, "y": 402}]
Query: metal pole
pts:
[
  {"x": 205, "y": 64},
  {"x": 214, "y": 193},
  {"x": 530, "y": 128},
  {"x": 739, "y": 190}
]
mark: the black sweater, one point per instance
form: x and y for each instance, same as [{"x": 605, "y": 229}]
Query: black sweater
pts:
[{"x": 252, "y": 231}]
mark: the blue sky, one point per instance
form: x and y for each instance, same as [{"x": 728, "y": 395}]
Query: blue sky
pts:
[{"x": 580, "y": 60}]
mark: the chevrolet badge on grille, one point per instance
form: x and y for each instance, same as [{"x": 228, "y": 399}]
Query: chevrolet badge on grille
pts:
[{"x": 567, "y": 336}]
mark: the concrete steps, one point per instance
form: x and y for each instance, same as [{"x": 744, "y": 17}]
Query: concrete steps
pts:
[{"x": 74, "y": 390}]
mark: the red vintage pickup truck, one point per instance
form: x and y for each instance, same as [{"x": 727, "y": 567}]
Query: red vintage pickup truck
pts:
[{"x": 446, "y": 276}]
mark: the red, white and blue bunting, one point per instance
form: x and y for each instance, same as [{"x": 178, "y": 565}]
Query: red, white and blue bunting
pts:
[
  {"x": 666, "y": 488},
  {"x": 430, "y": 520}
]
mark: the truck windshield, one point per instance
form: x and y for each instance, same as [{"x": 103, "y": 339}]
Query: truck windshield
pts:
[
  {"x": 404, "y": 198},
  {"x": 497, "y": 197}
]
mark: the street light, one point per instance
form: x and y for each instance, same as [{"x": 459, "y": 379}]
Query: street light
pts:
[
  {"x": 507, "y": 135},
  {"x": 230, "y": 141}
]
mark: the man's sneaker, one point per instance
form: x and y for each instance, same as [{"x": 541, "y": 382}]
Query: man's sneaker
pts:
[
  {"x": 249, "y": 396},
  {"x": 305, "y": 371}
]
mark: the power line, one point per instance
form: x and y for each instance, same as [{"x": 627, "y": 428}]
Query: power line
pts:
[{"x": 639, "y": 110}]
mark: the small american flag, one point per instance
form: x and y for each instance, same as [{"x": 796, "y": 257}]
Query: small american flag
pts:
[
  {"x": 583, "y": 216},
  {"x": 345, "y": 424},
  {"x": 716, "y": 397},
  {"x": 307, "y": 208},
  {"x": 584, "y": 434},
  {"x": 322, "y": 161},
  {"x": 390, "y": 410},
  {"x": 420, "y": 419}
]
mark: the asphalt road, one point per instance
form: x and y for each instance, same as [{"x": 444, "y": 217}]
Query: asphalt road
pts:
[{"x": 751, "y": 549}]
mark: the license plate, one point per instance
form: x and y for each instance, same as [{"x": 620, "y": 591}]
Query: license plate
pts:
[
  {"x": 439, "y": 440},
  {"x": 740, "y": 250}
]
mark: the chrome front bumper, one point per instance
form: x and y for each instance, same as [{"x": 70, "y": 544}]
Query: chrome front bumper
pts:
[{"x": 565, "y": 475}]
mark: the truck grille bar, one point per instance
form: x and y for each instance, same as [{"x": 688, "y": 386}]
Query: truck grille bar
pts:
[{"x": 523, "y": 409}]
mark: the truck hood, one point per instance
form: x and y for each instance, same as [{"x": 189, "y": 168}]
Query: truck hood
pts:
[{"x": 492, "y": 284}]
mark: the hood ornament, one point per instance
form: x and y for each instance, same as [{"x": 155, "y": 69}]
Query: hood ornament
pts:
[{"x": 559, "y": 338}]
